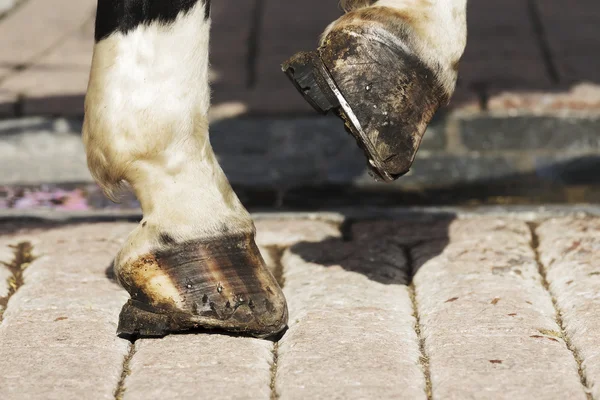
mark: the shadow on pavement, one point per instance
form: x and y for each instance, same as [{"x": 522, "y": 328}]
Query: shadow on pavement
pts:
[{"x": 381, "y": 249}]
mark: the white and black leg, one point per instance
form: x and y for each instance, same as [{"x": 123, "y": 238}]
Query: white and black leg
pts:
[
  {"x": 385, "y": 67},
  {"x": 192, "y": 261}
]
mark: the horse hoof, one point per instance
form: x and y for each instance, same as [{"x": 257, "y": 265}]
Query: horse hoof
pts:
[
  {"x": 140, "y": 319},
  {"x": 219, "y": 283},
  {"x": 368, "y": 74}
]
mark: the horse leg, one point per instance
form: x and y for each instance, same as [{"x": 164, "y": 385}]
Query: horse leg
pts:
[{"x": 192, "y": 261}]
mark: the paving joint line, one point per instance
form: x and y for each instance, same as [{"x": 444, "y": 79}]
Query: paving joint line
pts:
[
  {"x": 273, "y": 383},
  {"x": 22, "y": 259},
  {"x": 535, "y": 242},
  {"x": 542, "y": 39},
  {"x": 276, "y": 253},
  {"x": 423, "y": 357},
  {"x": 253, "y": 43},
  {"x": 125, "y": 371}
]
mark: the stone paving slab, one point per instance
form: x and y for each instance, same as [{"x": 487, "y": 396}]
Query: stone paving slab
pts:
[
  {"x": 485, "y": 325},
  {"x": 581, "y": 97},
  {"x": 313, "y": 163},
  {"x": 274, "y": 233},
  {"x": 54, "y": 84},
  {"x": 351, "y": 324},
  {"x": 231, "y": 24},
  {"x": 284, "y": 31},
  {"x": 570, "y": 252},
  {"x": 4, "y": 276},
  {"x": 200, "y": 367},
  {"x": 572, "y": 26},
  {"x": 6, "y": 5},
  {"x": 57, "y": 337},
  {"x": 489, "y": 324},
  {"x": 7, "y": 103},
  {"x": 47, "y": 23}
]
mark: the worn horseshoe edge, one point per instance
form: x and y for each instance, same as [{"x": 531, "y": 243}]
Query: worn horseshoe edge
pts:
[
  {"x": 356, "y": 127},
  {"x": 301, "y": 69}
]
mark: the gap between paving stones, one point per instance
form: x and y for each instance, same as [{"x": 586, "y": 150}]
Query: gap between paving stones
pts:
[
  {"x": 125, "y": 372},
  {"x": 424, "y": 358},
  {"x": 23, "y": 257},
  {"x": 346, "y": 230},
  {"x": 559, "y": 319},
  {"x": 276, "y": 254},
  {"x": 274, "y": 394}
]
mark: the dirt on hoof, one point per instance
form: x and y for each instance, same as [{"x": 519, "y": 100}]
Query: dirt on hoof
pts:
[{"x": 220, "y": 283}]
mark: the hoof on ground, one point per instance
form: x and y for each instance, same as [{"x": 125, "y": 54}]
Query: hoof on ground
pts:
[{"x": 219, "y": 283}]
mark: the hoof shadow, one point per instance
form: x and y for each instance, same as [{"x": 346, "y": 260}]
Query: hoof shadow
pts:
[{"x": 109, "y": 273}]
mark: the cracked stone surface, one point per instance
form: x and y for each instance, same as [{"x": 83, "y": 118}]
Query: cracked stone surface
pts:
[
  {"x": 57, "y": 338},
  {"x": 487, "y": 323}
]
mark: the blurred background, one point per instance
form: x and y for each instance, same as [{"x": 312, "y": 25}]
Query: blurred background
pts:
[{"x": 523, "y": 127}]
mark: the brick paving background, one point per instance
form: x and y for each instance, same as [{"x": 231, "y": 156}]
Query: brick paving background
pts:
[
  {"x": 523, "y": 126},
  {"x": 523, "y": 54}
]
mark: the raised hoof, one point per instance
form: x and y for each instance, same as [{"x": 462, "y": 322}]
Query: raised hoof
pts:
[
  {"x": 375, "y": 83},
  {"x": 220, "y": 283}
]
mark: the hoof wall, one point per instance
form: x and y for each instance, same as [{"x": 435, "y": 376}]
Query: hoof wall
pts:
[
  {"x": 304, "y": 70},
  {"x": 311, "y": 78},
  {"x": 383, "y": 92},
  {"x": 220, "y": 283}
]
